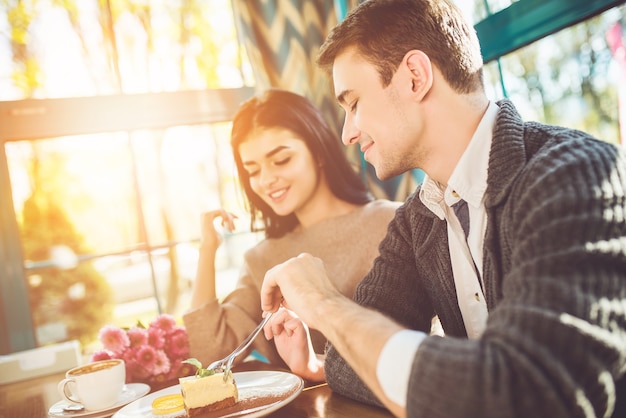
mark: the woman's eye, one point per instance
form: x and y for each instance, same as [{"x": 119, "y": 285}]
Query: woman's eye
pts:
[
  {"x": 283, "y": 161},
  {"x": 353, "y": 105},
  {"x": 253, "y": 173}
]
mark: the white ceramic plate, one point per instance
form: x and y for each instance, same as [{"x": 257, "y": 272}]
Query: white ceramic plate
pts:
[
  {"x": 131, "y": 392},
  {"x": 260, "y": 393}
]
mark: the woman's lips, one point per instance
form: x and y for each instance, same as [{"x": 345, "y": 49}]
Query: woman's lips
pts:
[{"x": 277, "y": 195}]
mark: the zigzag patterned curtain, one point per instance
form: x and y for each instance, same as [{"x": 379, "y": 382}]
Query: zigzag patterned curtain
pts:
[{"x": 282, "y": 38}]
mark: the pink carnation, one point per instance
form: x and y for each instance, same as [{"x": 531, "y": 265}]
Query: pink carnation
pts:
[
  {"x": 101, "y": 355},
  {"x": 164, "y": 322},
  {"x": 130, "y": 355},
  {"x": 177, "y": 344},
  {"x": 137, "y": 337},
  {"x": 135, "y": 371},
  {"x": 146, "y": 357},
  {"x": 162, "y": 363},
  {"x": 156, "y": 337},
  {"x": 160, "y": 379},
  {"x": 180, "y": 369},
  {"x": 113, "y": 339}
]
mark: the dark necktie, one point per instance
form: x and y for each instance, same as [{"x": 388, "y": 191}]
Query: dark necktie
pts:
[{"x": 462, "y": 213}]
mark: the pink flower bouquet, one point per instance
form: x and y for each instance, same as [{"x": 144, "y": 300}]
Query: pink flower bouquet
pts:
[{"x": 153, "y": 355}]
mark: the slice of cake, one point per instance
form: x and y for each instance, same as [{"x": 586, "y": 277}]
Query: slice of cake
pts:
[{"x": 208, "y": 393}]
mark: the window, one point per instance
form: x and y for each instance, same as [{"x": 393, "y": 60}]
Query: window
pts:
[
  {"x": 570, "y": 78},
  {"x": 115, "y": 138},
  {"x": 111, "y": 220}
]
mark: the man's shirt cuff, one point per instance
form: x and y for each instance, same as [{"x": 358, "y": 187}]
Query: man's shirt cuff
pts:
[{"x": 394, "y": 364}]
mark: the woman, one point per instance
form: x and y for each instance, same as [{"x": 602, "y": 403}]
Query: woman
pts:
[{"x": 303, "y": 193}]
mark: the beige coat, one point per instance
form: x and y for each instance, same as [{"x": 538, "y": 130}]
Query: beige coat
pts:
[{"x": 347, "y": 244}]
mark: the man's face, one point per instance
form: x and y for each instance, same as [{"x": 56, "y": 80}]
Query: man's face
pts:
[{"x": 380, "y": 120}]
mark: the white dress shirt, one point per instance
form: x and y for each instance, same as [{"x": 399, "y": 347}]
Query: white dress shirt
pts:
[{"x": 468, "y": 182}]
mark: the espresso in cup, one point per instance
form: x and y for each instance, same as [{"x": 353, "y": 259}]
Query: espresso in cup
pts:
[{"x": 96, "y": 385}]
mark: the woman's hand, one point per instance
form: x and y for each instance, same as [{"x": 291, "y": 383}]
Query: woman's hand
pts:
[
  {"x": 209, "y": 235},
  {"x": 293, "y": 343},
  {"x": 204, "y": 286}
]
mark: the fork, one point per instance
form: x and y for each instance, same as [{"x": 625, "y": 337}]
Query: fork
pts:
[{"x": 218, "y": 366}]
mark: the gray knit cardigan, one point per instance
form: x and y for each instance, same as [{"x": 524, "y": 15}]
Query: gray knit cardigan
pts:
[{"x": 554, "y": 268}]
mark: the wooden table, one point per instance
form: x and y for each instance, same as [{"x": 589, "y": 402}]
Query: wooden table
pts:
[{"x": 32, "y": 398}]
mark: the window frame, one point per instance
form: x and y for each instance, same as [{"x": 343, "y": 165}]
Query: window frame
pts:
[{"x": 527, "y": 21}]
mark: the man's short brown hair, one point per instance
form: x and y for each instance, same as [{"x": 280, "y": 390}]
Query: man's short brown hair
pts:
[{"x": 383, "y": 31}]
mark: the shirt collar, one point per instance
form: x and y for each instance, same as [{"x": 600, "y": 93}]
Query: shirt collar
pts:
[
  {"x": 431, "y": 195},
  {"x": 469, "y": 178}
]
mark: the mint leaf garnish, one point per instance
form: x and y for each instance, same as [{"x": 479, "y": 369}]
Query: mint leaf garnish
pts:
[
  {"x": 201, "y": 372},
  {"x": 193, "y": 362}
]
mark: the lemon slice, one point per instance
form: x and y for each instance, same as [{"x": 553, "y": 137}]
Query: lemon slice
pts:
[{"x": 168, "y": 404}]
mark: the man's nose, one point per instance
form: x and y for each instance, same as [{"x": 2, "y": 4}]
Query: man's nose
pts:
[{"x": 349, "y": 134}]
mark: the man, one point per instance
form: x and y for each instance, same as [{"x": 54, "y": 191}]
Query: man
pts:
[{"x": 531, "y": 292}]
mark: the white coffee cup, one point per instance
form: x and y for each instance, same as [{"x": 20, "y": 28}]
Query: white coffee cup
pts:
[{"x": 96, "y": 385}]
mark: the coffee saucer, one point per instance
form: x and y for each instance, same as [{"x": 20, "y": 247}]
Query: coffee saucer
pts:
[{"x": 130, "y": 393}]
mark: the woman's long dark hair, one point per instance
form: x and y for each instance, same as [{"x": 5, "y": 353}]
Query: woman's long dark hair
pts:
[{"x": 276, "y": 108}]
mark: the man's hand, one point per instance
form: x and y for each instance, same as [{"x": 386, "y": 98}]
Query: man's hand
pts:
[
  {"x": 300, "y": 284},
  {"x": 359, "y": 334}
]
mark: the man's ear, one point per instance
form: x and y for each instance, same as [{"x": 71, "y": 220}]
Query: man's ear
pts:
[{"x": 421, "y": 70}]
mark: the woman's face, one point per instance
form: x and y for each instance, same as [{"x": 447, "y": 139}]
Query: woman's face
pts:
[{"x": 281, "y": 168}]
